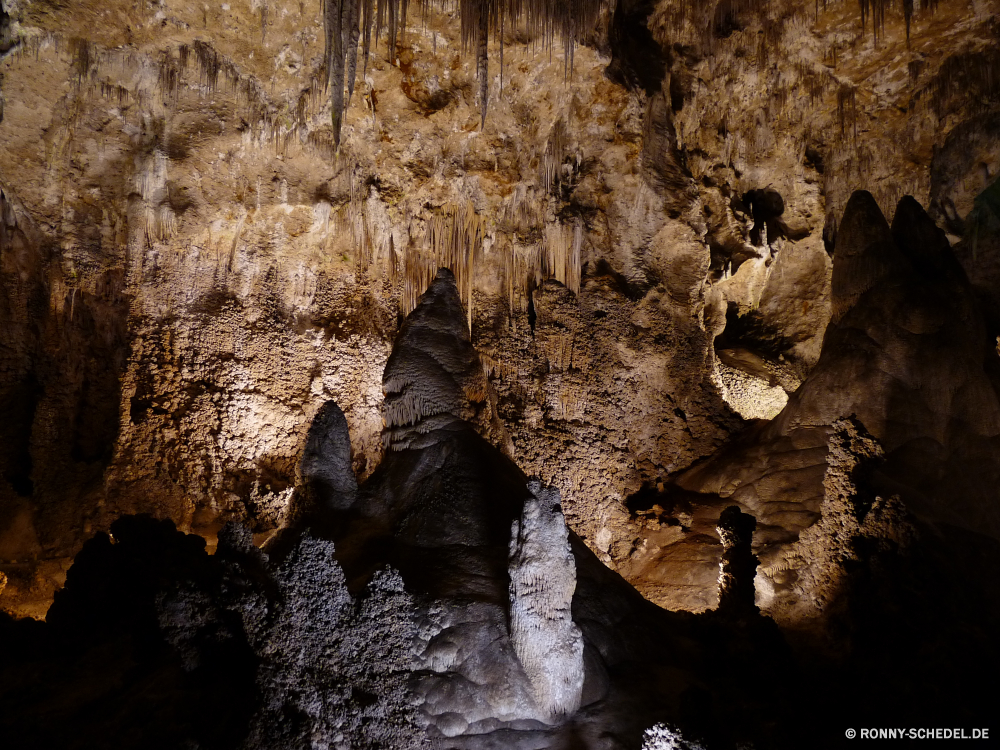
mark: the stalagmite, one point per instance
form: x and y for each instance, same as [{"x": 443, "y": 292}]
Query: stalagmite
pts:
[
  {"x": 865, "y": 253},
  {"x": 548, "y": 643}
]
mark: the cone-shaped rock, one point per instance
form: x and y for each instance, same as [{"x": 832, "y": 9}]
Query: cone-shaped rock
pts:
[
  {"x": 326, "y": 460},
  {"x": 924, "y": 243},
  {"x": 434, "y": 379},
  {"x": 865, "y": 252}
]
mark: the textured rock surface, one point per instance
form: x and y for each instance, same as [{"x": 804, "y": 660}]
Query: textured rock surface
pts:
[
  {"x": 547, "y": 642},
  {"x": 189, "y": 271},
  {"x": 911, "y": 359},
  {"x": 524, "y": 639},
  {"x": 233, "y": 650},
  {"x": 442, "y": 602},
  {"x": 434, "y": 378},
  {"x": 664, "y": 737}
]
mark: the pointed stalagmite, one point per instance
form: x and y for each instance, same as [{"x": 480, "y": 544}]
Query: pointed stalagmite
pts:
[
  {"x": 326, "y": 460},
  {"x": 865, "y": 253},
  {"x": 547, "y": 642},
  {"x": 434, "y": 379}
]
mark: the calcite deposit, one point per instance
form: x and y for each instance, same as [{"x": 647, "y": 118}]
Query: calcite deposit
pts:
[{"x": 348, "y": 289}]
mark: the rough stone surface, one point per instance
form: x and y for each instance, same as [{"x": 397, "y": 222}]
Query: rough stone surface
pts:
[
  {"x": 190, "y": 269},
  {"x": 414, "y": 617},
  {"x": 434, "y": 378},
  {"x": 340, "y": 668},
  {"x": 665, "y": 737},
  {"x": 547, "y": 642}
]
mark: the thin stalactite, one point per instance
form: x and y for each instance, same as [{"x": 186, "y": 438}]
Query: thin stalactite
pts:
[
  {"x": 351, "y": 44},
  {"x": 482, "y": 66},
  {"x": 346, "y": 22}
]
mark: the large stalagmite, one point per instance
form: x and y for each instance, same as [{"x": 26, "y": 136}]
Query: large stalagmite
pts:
[{"x": 542, "y": 581}]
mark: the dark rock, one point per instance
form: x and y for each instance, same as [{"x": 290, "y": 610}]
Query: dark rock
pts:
[
  {"x": 326, "y": 460},
  {"x": 865, "y": 253},
  {"x": 637, "y": 60},
  {"x": 739, "y": 564},
  {"x": 925, "y": 244}
]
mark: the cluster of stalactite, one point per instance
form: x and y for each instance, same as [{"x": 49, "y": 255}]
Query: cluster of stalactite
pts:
[
  {"x": 552, "y": 159},
  {"x": 526, "y": 248},
  {"x": 729, "y": 13},
  {"x": 348, "y": 21},
  {"x": 557, "y": 256},
  {"x": 876, "y": 10},
  {"x": 454, "y": 240},
  {"x": 93, "y": 66}
]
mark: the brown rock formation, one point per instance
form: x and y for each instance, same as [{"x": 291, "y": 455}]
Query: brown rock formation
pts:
[{"x": 215, "y": 220}]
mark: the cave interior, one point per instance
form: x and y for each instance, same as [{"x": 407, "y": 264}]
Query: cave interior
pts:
[{"x": 474, "y": 374}]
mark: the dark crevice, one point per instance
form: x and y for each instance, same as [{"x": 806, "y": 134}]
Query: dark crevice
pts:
[
  {"x": 637, "y": 60},
  {"x": 18, "y": 410},
  {"x": 766, "y": 206}
]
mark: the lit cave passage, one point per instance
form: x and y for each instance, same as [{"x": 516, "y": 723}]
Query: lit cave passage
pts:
[{"x": 611, "y": 374}]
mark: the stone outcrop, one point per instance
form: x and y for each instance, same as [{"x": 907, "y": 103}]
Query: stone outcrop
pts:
[{"x": 493, "y": 624}]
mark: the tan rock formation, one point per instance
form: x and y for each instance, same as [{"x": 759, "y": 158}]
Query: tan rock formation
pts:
[{"x": 189, "y": 268}]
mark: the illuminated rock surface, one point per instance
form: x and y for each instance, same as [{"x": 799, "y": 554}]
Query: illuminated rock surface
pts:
[{"x": 698, "y": 256}]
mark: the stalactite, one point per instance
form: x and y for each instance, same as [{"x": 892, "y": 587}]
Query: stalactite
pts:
[
  {"x": 454, "y": 240},
  {"x": 208, "y": 62},
  {"x": 170, "y": 74},
  {"x": 367, "y": 21},
  {"x": 522, "y": 212},
  {"x": 969, "y": 77},
  {"x": 501, "y": 49},
  {"x": 114, "y": 92},
  {"x": 335, "y": 15},
  {"x": 552, "y": 159},
  {"x": 726, "y": 16},
  {"x": 557, "y": 256},
  {"x": 875, "y": 9},
  {"x": 561, "y": 259},
  {"x": 347, "y": 21},
  {"x": 847, "y": 111},
  {"x": 770, "y": 39},
  {"x": 482, "y": 65},
  {"x": 82, "y": 53},
  {"x": 352, "y": 50}
]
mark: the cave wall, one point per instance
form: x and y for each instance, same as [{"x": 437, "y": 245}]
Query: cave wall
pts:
[{"x": 193, "y": 267}]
